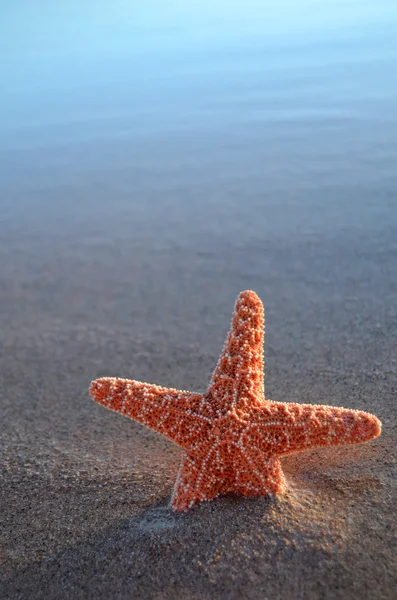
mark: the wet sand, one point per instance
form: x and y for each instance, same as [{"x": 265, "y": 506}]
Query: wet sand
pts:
[{"x": 85, "y": 492}]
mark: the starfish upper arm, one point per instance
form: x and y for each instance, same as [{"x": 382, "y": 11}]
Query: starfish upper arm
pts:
[{"x": 238, "y": 377}]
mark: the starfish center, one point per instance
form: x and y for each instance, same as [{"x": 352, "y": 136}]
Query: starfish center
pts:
[{"x": 228, "y": 429}]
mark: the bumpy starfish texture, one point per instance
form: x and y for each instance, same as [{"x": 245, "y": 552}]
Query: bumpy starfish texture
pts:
[{"x": 232, "y": 437}]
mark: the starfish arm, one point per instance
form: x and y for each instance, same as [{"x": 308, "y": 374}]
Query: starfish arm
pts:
[
  {"x": 287, "y": 427},
  {"x": 196, "y": 481},
  {"x": 173, "y": 413},
  {"x": 256, "y": 477},
  {"x": 238, "y": 377}
]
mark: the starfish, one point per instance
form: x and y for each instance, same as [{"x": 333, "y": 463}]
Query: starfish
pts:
[{"x": 232, "y": 436}]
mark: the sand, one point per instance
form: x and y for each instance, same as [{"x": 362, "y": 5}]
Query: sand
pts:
[{"x": 85, "y": 493}]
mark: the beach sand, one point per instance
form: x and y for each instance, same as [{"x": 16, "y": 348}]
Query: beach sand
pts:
[{"x": 85, "y": 492}]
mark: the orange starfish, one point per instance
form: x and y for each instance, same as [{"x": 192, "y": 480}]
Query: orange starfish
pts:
[{"x": 233, "y": 438}]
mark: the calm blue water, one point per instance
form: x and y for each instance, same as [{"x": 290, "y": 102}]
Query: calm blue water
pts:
[{"x": 198, "y": 119}]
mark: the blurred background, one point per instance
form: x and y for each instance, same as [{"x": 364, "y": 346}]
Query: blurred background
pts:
[{"x": 156, "y": 158}]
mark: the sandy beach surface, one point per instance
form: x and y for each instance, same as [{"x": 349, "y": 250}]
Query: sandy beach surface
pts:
[{"x": 126, "y": 232}]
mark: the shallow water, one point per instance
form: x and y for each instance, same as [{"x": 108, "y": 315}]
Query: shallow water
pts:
[{"x": 216, "y": 121}]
